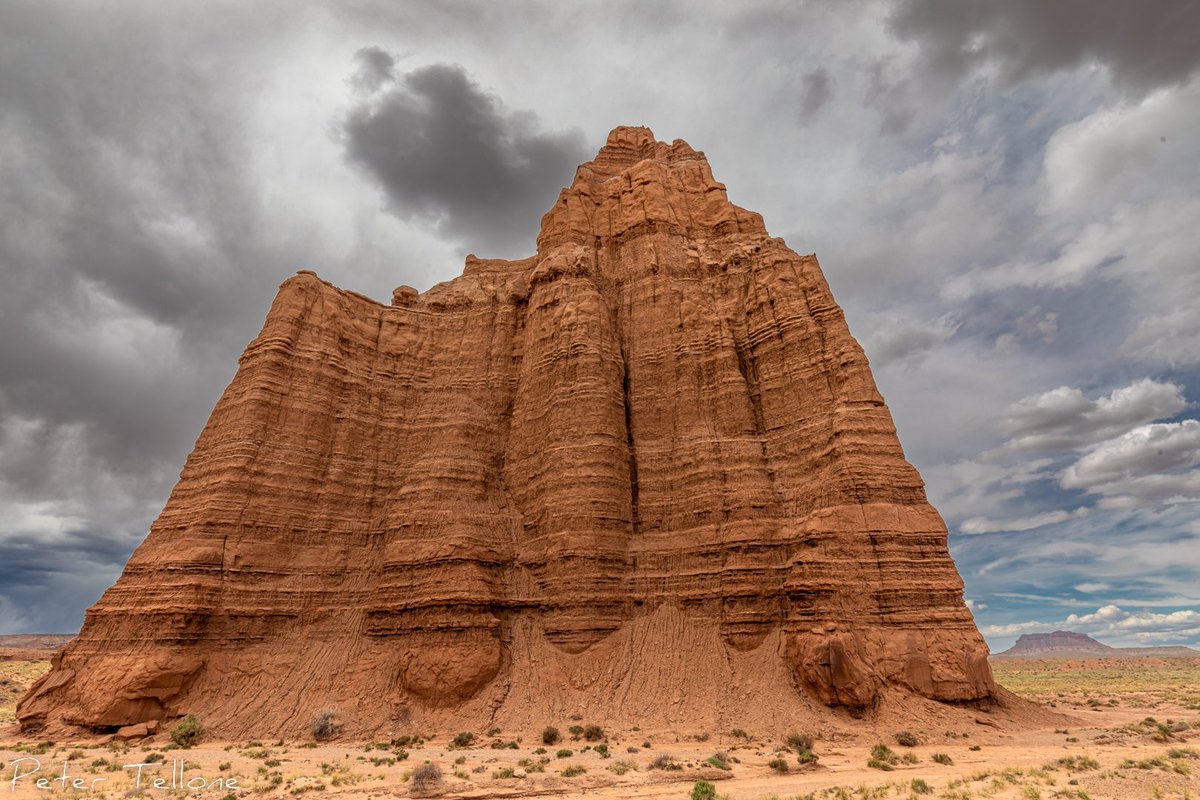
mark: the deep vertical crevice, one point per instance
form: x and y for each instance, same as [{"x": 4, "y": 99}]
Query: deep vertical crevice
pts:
[
  {"x": 750, "y": 377},
  {"x": 633, "y": 467}
]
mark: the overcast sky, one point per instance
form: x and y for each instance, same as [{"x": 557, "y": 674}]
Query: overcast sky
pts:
[{"x": 1005, "y": 198}]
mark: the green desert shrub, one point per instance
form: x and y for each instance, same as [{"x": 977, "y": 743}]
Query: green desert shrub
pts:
[
  {"x": 463, "y": 739},
  {"x": 703, "y": 790},
  {"x": 718, "y": 760},
  {"x": 906, "y": 739},
  {"x": 550, "y": 735},
  {"x": 882, "y": 757},
  {"x": 188, "y": 731},
  {"x": 778, "y": 764}
]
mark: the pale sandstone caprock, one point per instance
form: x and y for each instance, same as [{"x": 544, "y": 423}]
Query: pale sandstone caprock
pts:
[{"x": 644, "y": 476}]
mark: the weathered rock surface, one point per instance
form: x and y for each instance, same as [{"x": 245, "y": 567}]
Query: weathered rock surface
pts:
[{"x": 644, "y": 475}]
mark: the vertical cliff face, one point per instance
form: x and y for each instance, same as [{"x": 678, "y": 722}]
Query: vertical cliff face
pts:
[{"x": 645, "y": 473}]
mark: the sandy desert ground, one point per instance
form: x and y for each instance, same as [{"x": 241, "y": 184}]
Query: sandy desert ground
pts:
[{"x": 1135, "y": 734}]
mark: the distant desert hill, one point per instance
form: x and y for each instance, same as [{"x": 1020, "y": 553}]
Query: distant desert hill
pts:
[
  {"x": 31, "y": 646},
  {"x": 1068, "y": 644}
]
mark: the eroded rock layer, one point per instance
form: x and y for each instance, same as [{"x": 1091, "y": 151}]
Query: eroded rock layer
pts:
[{"x": 645, "y": 473}]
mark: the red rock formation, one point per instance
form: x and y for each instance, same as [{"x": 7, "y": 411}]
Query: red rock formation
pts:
[{"x": 645, "y": 475}]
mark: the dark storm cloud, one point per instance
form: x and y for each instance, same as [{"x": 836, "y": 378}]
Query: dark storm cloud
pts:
[
  {"x": 1144, "y": 45},
  {"x": 817, "y": 91},
  {"x": 376, "y": 67},
  {"x": 445, "y": 150},
  {"x": 135, "y": 264}
]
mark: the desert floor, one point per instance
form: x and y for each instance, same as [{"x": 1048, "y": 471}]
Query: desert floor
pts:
[{"x": 1136, "y": 735}]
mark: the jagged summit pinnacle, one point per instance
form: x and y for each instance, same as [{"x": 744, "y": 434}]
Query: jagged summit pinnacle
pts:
[{"x": 627, "y": 145}]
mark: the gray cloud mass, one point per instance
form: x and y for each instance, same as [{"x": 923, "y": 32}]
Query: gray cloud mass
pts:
[
  {"x": 445, "y": 150},
  {"x": 1144, "y": 45}
]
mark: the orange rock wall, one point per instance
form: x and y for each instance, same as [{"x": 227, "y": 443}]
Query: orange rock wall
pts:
[{"x": 645, "y": 472}]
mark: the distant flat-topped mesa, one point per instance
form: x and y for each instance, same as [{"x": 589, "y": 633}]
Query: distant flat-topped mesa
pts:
[
  {"x": 643, "y": 476},
  {"x": 1068, "y": 644}
]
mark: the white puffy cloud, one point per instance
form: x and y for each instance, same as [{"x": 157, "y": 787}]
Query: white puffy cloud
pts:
[
  {"x": 1149, "y": 463},
  {"x": 1145, "y": 450},
  {"x": 1064, "y": 418}
]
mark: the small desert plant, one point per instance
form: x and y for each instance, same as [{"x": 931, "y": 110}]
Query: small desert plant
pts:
[
  {"x": 807, "y": 757},
  {"x": 550, "y": 735},
  {"x": 325, "y": 726},
  {"x": 799, "y": 742},
  {"x": 920, "y": 787},
  {"x": 621, "y": 767},
  {"x": 187, "y": 731},
  {"x": 718, "y": 760},
  {"x": 941, "y": 758},
  {"x": 506, "y": 772},
  {"x": 602, "y": 749},
  {"x": 1078, "y": 763},
  {"x": 426, "y": 778},
  {"x": 882, "y": 757},
  {"x": 593, "y": 733},
  {"x": 703, "y": 790},
  {"x": 463, "y": 739},
  {"x": 906, "y": 739},
  {"x": 573, "y": 770},
  {"x": 778, "y": 764},
  {"x": 738, "y": 733},
  {"x": 576, "y": 731},
  {"x": 665, "y": 761},
  {"x": 564, "y": 753}
]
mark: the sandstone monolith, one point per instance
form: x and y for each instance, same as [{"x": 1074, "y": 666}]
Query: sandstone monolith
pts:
[{"x": 643, "y": 476}]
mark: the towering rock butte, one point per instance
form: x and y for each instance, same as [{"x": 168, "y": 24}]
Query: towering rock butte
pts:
[{"x": 644, "y": 475}]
